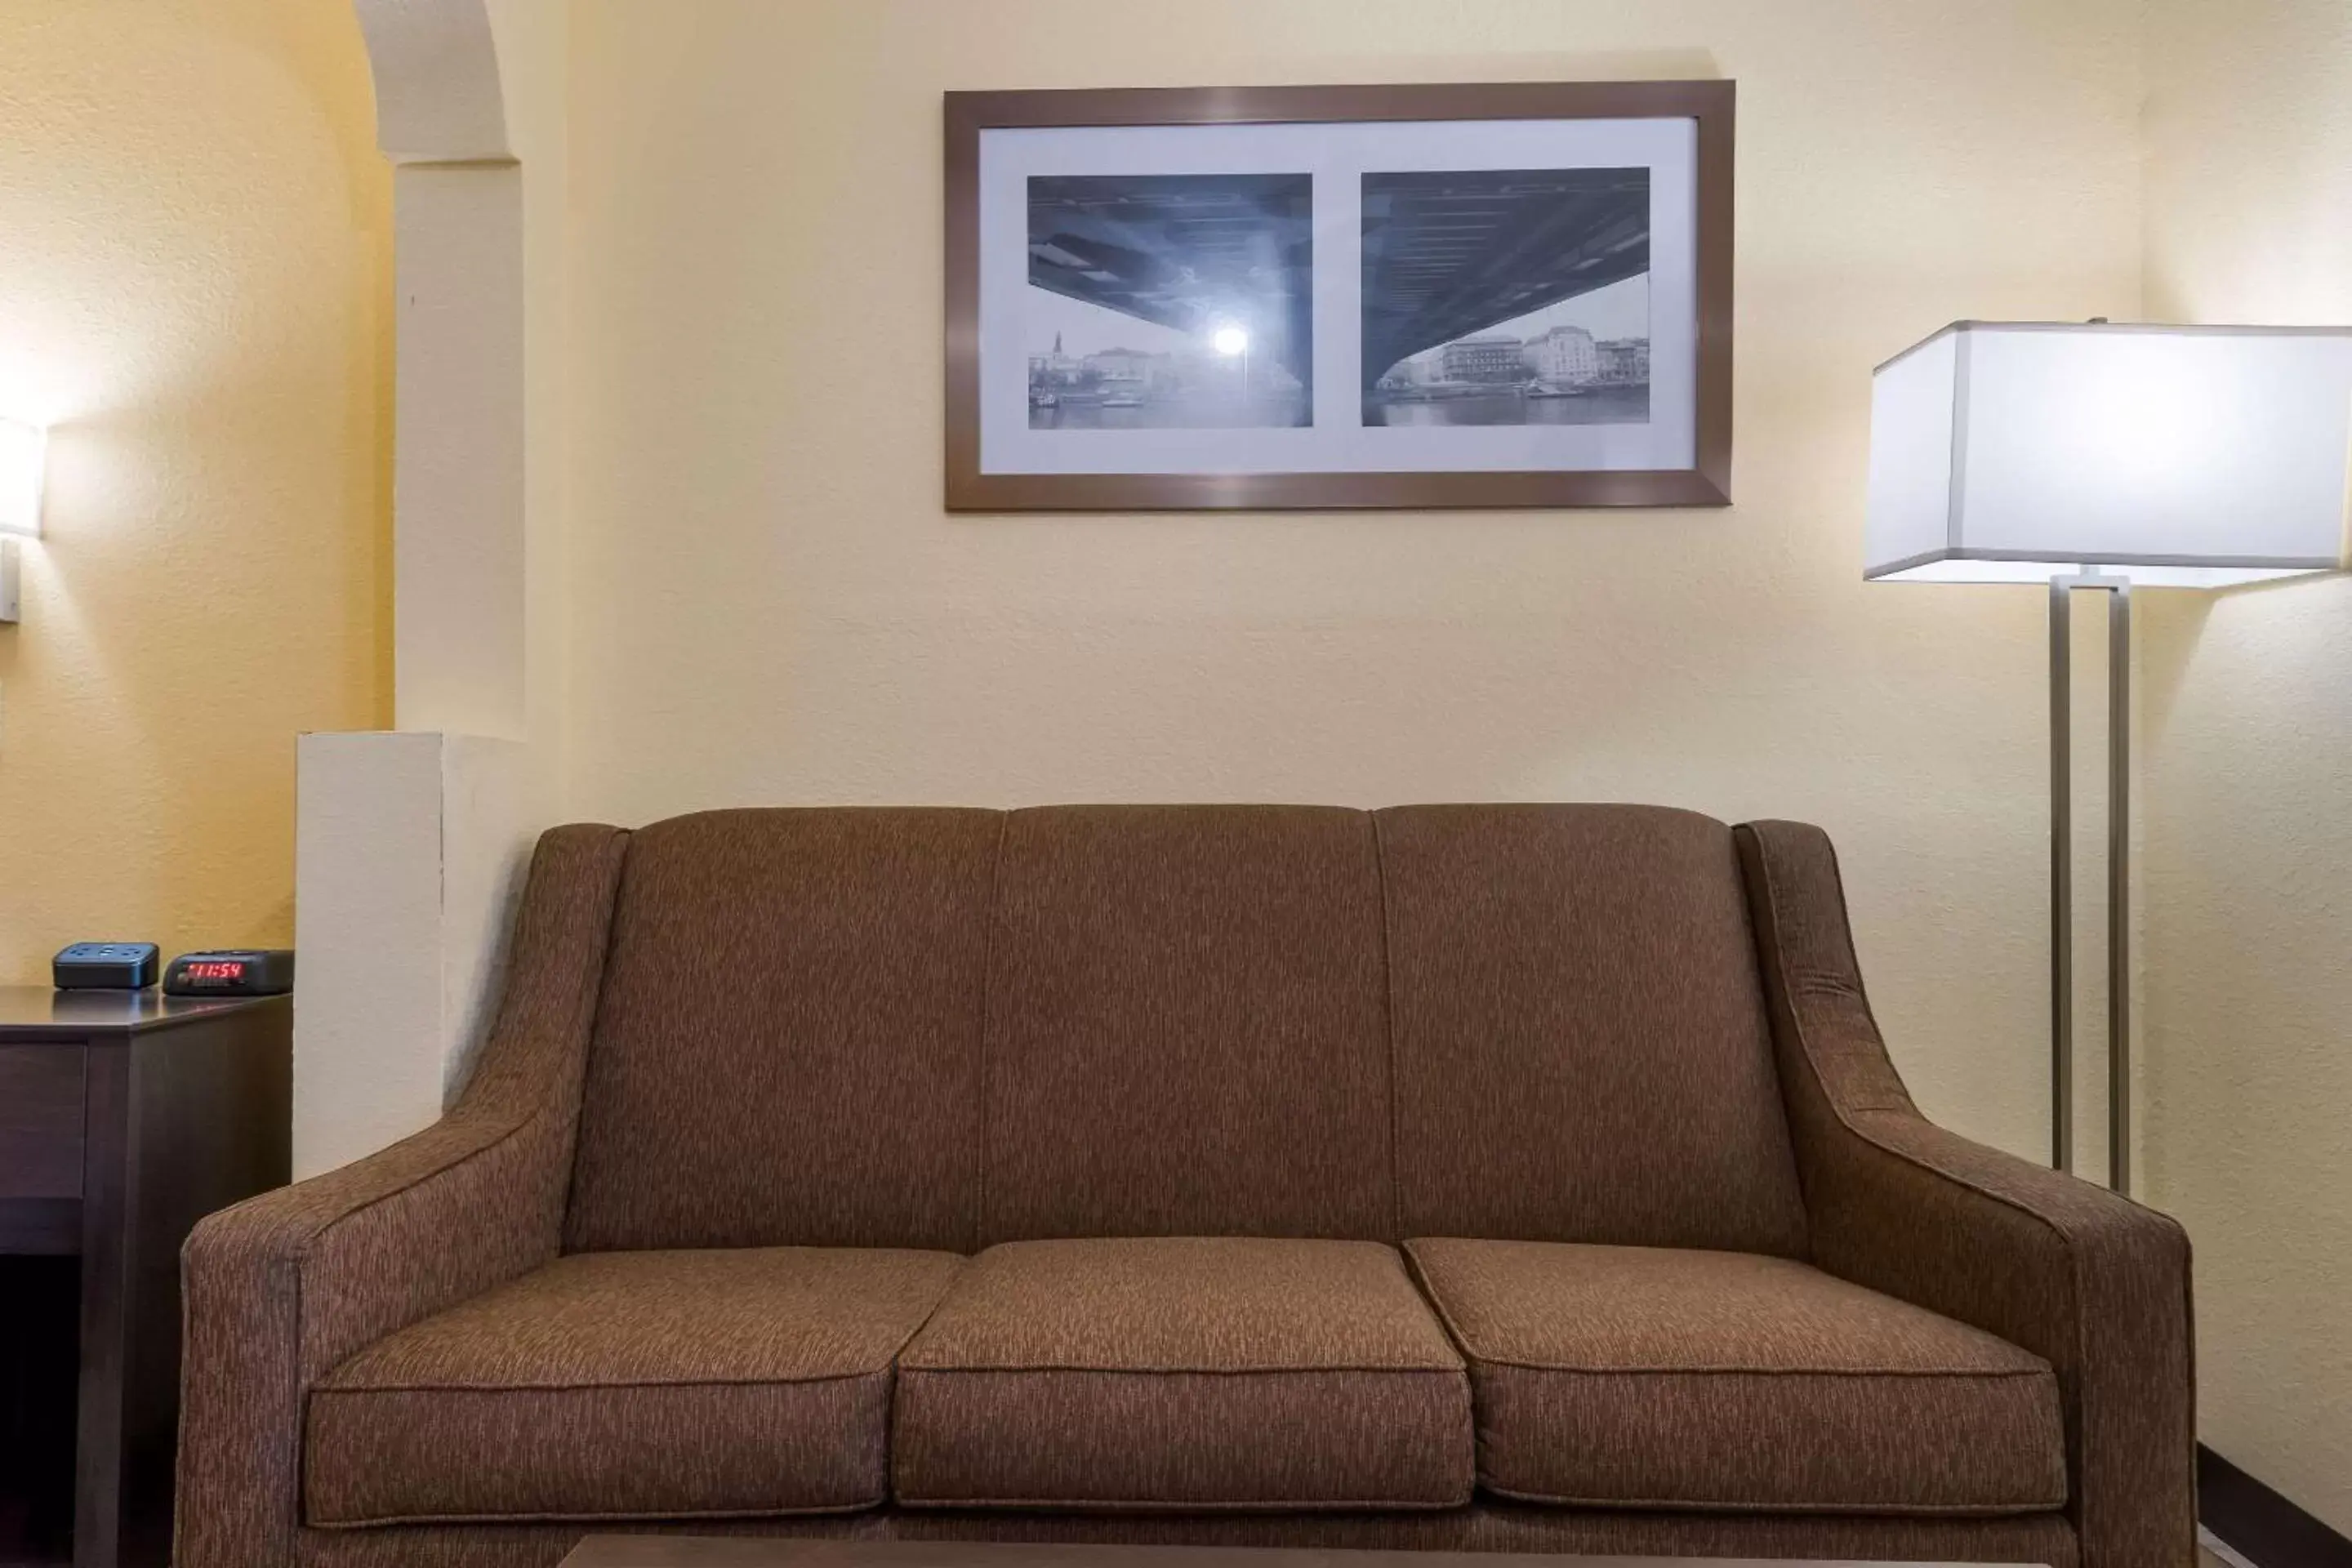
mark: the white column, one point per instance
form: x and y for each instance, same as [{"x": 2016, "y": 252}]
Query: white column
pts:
[
  {"x": 411, "y": 843},
  {"x": 457, "y": 466},
  {"x": 410, "y": 849}
]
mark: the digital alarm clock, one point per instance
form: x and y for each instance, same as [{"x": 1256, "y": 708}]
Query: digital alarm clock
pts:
[{"x": 236, "y": 972}]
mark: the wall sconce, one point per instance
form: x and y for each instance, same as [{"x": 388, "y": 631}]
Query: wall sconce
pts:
[{"x": 24, "y": 453}]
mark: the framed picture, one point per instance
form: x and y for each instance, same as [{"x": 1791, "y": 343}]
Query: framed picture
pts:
[{"x": 1444, "y": 296}]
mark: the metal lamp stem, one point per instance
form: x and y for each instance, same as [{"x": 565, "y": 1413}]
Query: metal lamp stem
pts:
[
  {"x": 2062, "y": 874},
  {"x": 2062, "y": 877},
  {"x": 2119, "y": 645}
]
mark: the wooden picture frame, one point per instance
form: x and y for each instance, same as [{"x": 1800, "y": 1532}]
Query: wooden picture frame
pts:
[{"x": 1697, "y": 426}]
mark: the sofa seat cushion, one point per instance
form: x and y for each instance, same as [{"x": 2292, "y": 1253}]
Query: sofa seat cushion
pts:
[
  {"x": 629, "y": 1385},
  {"x": 1640, "y": 1377},
  {"x": 1183, "y": 1373}
]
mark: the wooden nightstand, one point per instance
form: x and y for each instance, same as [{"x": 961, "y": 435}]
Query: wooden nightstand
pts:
[{"x": 125, "y": 1118}]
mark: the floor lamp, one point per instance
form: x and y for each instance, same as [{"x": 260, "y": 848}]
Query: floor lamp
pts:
[{"x": 2098, "y": 457}]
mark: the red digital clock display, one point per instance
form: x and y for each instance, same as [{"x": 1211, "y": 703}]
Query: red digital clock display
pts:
[{"x": 215, "y": 974}]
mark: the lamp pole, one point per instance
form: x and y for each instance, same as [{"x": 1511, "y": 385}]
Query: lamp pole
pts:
[
  {"x": 2062, "y": 877},
  {"x": 2062, "y": 872}
]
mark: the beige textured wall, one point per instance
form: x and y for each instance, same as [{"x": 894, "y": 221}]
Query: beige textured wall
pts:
[
  {"x": 770, "y": 605},
  {"x": 194, "y": 255},
  {"x": 2247, "y": 766}
]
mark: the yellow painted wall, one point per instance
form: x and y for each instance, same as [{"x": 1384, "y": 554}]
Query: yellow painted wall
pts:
[
  {"x": 195, "y": 255},
  {"x": 769, "y": 604},
  {"x": 2247, "y": 770}
]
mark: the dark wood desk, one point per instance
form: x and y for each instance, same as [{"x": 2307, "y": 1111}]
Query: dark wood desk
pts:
[{"x": 125, "y": 1117}]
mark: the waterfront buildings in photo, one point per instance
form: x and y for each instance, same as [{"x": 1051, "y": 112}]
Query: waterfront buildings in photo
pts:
[
  {"x": 1564, "y": 355},
  {"x": 1483, "y": 362},
  {"x": 1561, "y": 375},
  {"x": 1125, "y": 388}
]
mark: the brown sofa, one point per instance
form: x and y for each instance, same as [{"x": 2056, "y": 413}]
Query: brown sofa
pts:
[{"x": 1500, "y": 1176}]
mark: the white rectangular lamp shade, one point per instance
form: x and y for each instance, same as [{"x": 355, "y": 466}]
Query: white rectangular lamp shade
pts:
[
  {"x": 2176, "y": 456},
  {"x": 23, "y": 451}
]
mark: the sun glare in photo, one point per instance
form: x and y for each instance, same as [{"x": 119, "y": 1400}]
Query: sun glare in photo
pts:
[{"x": 1230, "y": 342}]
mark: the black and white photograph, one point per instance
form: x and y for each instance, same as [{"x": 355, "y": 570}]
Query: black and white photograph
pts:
[
  {"x": 1170, "y": 301},
  {"x": 1506, "y": 297},
  {"x": 1415, "y": 296}
]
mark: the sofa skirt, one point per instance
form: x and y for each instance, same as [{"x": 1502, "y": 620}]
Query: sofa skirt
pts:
[{"x": 1485, "y": 1526}]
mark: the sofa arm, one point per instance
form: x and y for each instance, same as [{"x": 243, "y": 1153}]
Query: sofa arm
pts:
[
  {"x": 2095, "y": 1284},
  {"x": 281, "y": 1287}
]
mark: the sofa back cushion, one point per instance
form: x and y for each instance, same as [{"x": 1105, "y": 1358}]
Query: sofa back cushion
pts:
[
  {"x": 947, "y": 1028},
  {"x": 787, "y": 1049},
  {"x": 1186, "y": 1029},
  {"x": 1582, "y": 1047}
]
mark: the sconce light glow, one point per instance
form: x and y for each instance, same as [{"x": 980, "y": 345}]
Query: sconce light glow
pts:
[
  {"x": 1230, "y": 342},
  {"x": 24, "y": 452}
]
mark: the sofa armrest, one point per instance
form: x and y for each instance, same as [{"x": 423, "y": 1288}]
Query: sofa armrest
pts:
[
  {"x": 278, "y": 1289},
  {"x": 2093, "y": 1283}
]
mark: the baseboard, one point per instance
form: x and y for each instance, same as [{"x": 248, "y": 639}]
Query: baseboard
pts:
[{"x": 2258, "y": 1523}]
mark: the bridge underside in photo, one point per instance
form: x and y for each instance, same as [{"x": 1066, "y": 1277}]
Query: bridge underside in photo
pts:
[
  {"x": 1191, "y": 252},
  {"x": 1448, "y": 255}
]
